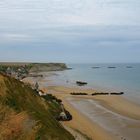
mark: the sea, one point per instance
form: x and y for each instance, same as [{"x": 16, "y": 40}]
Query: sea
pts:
[{"x": 109, "y": 77}]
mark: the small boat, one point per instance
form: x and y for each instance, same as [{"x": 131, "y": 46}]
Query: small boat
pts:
[
  {"x": 69, "y": 68},
  {"x": 111, "y": 67},
  {"x": 80, "y": 83},
  {"x": 129, "y": 67},
  {"x": 95, "y": 67}
]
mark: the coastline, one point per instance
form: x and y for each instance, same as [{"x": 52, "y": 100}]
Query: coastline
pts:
[{"x": 82, "y": 122}]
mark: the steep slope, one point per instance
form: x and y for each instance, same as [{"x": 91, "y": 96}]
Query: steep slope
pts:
[{"x": 26, "y": 116}]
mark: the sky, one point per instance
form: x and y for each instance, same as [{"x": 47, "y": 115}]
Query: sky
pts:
[{"x": 74, "y": 31}]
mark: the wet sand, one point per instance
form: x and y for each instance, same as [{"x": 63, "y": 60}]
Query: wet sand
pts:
[
  {"x": 122, "y": 127},
  {"x": 99, "y": 117}
]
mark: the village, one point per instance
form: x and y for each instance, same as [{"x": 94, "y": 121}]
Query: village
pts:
[{"x": 17, "y": 72}]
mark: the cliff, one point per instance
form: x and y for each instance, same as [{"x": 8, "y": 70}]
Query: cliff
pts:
[
  {"x": 40, "y": 67},
  {"x": 33, "y": 67},
  {"x": 26, "y": 116}
]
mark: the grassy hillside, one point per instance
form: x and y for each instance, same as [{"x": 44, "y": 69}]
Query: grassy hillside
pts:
[
  {"x": 26, "y": 116},
  {"x": 34, "y": 67},
  {"x": 38, "y": 67}
]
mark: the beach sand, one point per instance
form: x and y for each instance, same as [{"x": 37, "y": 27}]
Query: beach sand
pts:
[{"x": 124, "y": 111}]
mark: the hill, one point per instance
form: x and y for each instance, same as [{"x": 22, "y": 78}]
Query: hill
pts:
[
  {"x": 33, "y": 67},
  {"x": 26, "y": 116}
]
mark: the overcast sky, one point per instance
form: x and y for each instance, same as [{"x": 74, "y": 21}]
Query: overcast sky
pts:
[{"x": 85, "y": 31}]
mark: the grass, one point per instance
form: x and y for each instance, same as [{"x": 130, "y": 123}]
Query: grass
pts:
[{"x": 21, "y": 98}]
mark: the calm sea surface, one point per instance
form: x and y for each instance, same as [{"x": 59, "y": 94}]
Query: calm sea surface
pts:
[
  {"x": 123, "y": 77},
  {"x": 120, "y": 77}
]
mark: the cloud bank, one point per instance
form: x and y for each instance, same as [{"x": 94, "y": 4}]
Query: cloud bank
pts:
[{"x": 72, "y": 31}]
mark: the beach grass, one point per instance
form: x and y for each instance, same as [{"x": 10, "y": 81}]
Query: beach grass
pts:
[{"x": 20, "y": 98}]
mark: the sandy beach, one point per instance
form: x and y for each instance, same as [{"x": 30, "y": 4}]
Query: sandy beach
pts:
[{"x": 98, "y": 117}]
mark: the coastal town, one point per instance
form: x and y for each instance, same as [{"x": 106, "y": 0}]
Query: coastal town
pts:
[{"x": 16, "y": 72}]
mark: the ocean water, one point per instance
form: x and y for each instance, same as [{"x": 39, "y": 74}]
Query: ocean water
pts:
[{"x": 120, "y": 78}]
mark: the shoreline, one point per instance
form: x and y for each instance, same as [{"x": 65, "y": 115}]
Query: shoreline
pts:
[
  {"x": 92, "y": 128},
  {"x": 81, "y": 122}
]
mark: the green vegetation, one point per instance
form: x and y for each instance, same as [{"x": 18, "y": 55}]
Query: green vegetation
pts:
[
  {"x": 26, "y": 116},
  {"x": 33, "y": 67},
  {"x": 38, "y": 67},
  {"x": 3, "y": 68}
]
